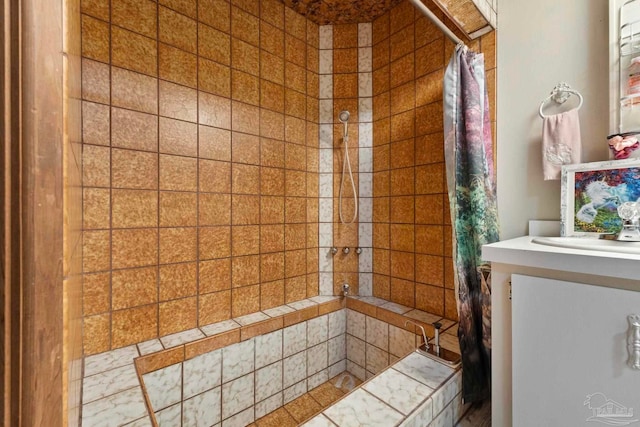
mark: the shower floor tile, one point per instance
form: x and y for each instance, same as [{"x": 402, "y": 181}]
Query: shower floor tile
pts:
[{"x": 308, "y": 405}]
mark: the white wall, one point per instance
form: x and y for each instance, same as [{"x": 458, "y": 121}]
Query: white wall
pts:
[{"x": 541, "y": 43}]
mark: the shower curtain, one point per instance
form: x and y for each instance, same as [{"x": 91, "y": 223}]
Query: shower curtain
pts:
[{"x": 474, "y": 217}]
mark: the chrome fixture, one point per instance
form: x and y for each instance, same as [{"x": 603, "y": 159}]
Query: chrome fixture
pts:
[
  {"x": 345, "y": 289},
  {"x": 629, "y": 212},
  {"x": 436, "y": 339},
  {"x": 334, "y": 250},
  {"x": 424, "y": 335},
  {"x": 346, "y": 250},
  {"x": 358, "y": 250},
  {"x": 634, "y": 341},
  {"x": 346, "y": 170}
]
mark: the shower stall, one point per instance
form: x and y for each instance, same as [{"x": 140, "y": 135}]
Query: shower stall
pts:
[{"x": 235, "y": 164}]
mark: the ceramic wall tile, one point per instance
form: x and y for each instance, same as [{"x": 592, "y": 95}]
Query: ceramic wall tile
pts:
[
  {"x": 294, "y": 391},
  {"x": 268, "y": 348},
  {"x": 294, "y": 339},
  {"x": 268, "y": 405},
  {"x": 244, "y": 418},
  {"x": 117, "y": 409},
  {"x": 237, "y": 360},
  {"x": 377, "y": 333},
  {"x": 326, "y": 162},
  {"x": 219, "y": 327},
  {"x": 237, "y": 395},
  {"x": 326, "y": 136},
  {"x": 295, "y": 369},
  {"x": 317, "y": 358},
  {"x": 365, "y": 134},
  {"x": 446, "y": 393},
  {"x": 356, "y": 324},
  {"x": 365, "y": 234},
  {"x": 278, "y": 311},
  {"x": 365, "y": 34},
  {"x": 326, "y": 111},
  {"x": 337, "y": 323},
  {"x": 326, "y": 37},
  {"x": 164, "y": 386},
  {"x": 317, "y": 330},
  {"x": 365, "y": 85},
  {"x": 303, "y": 303},
  {"x": 326, "y": 283},
  {"x": 170, "y": 417},
  {"x": 251, "y": 318},
  {"x": 399, "y": 391},
  {"x": 377, "y": 359},
  {"x": 366, "y": 203},
  {"x": 365, "y": 109},
  {"x": 202, "y": 409},
  {"x": 326, "y": 86},
  {"x": 326, "y": 203},
  {"x": 318, "y": 379},
  {"x": 150, "y": 346},
  {"x": 202, "y": 373},
  {"x": 179, "y": 338},
  {"x": 356, "y": 370},
  {"x": 361, "y": 408},
  {"x": 423, "y": 369},
  {"x": 268, "y": 381},
  {"x": 444, "y": 419},
  {"x": 337, "y": 368},
  {"x": 365, "y": 285},
  {"x": 401, "y": 341},
  {"x": 326, "y": 190},
  {"x": 107, "y": 383},
  {"x": 337, "y": 349},
  {"x": 356, "y": 350},
  {"x": 325, "y": 234},
  {"x": 325, "y": 260},
  {"x": 109, "y": 360},
  {"x": 365, "y": 60}
]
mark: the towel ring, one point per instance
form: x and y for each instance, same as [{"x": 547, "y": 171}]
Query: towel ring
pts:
[{"x": 559, "y": 95}]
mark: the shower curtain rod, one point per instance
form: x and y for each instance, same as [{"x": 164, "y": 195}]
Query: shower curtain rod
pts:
[{"x": 425, "y": 11}]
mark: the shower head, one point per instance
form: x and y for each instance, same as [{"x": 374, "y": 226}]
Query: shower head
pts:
[{"x": 344, "y": 116}]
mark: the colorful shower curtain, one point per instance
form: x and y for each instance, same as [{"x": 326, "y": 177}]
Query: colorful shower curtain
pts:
[{"x": 474, "y": 215}]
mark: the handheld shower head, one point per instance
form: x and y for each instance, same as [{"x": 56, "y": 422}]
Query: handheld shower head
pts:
[{"x": 344, "y": 116}]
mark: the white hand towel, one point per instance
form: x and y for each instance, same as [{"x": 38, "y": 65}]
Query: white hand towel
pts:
[{"x": 561, "y": 144}]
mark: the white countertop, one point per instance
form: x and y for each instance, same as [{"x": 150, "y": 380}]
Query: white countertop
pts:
[{"x": 522, "y": 252}]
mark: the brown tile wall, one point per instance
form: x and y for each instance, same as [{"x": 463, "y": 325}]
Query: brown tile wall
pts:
[
  {"x": 200, "y": 160},
  {"x": 412, "y": 228}
]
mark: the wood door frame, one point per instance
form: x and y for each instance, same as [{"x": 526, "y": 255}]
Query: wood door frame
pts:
[{"x": 32, "y": 220}]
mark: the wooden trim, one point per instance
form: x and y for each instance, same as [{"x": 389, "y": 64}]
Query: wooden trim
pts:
[
  {"x": 10, "y": 222},
  {"x": 42, "y": 213}
]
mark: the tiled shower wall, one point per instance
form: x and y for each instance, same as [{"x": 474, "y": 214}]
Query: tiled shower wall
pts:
[
  {"x": 200, "y": 151},
  {"x": 345, "y": 84},
  {"x": 412, "y": 262}
]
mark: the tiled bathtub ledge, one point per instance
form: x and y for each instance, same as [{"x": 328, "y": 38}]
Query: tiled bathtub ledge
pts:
[
  {"x": 416, "y": 391},
  {"x": 113, "y": 392}
]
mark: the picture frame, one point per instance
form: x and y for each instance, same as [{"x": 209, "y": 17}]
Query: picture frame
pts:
[{"x": 591, "y": 193}]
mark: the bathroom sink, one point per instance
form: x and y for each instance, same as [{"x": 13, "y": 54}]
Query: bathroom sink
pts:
[{"x": 590, "y": 244}]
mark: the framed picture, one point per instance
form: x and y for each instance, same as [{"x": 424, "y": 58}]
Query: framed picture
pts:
[{"x": 592, "y": 192}]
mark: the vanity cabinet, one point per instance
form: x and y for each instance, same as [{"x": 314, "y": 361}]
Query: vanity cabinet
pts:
[
  {"x": 558, "y": 331},
  {"x": 569, "y": 353}
]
